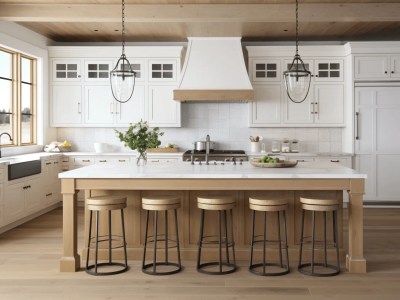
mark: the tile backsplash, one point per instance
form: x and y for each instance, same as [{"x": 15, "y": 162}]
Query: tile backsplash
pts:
[{"x": 226, "y": 123}]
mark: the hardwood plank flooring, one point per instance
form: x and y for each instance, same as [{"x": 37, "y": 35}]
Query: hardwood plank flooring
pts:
[{"x": 30, "y": 253}]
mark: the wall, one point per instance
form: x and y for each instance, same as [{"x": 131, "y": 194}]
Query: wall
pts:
[
  {"x": 226, "y": 123},
  {"x": 18, "y": 38}
]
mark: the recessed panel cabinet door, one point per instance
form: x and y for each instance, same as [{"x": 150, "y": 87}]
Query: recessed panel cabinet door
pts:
[
  {"x": 14, "y": 202},
  {"x": 163, "y": 110},
  {"x": 329, "y": 104},
  {"x": 266, "y": 109},
  {"x": 395, "y": 66},
  {"x": 66, "y": 104},
  {"x": 299, "y": 113},
  {"x": 133, "y": 110},
  {"x": 99, "y": 105},
  {"x": 371, "y": 67}
]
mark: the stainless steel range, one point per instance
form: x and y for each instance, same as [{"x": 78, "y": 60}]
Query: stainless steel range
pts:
[{"x": 215, "y": 155}]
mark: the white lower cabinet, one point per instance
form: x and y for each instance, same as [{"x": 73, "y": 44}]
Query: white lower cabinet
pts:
[
  {"x": 21, "y": 199},
  {"x": 51, "y": 192}
]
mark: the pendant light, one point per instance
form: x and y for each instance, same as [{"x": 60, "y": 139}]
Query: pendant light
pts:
[
  {"x": 122, "y": 77},
  {"x": 297, "y": 77}
]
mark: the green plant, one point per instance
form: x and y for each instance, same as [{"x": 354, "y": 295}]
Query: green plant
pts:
[{"x": 139, "y": 137}]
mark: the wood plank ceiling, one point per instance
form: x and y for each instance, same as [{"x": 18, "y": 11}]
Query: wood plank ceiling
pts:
[{"x": 174, "y": 20}]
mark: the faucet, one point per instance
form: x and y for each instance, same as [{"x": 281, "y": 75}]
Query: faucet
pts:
[
  {"x": 207, "y": 148},
  {"x": 0, "y": 139}
]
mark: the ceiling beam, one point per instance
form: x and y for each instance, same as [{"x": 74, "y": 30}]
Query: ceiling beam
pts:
[{"x": 205, "y": 13}]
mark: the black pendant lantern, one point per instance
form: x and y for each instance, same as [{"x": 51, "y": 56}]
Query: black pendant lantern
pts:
[
  {"x": 122, "y": 77},
  {"x": 297, "y": 77}
]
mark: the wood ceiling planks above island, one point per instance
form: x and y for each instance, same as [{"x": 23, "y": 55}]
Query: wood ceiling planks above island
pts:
[{"x": 171, "y": 20}]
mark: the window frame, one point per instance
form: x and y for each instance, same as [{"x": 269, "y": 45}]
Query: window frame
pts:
[{"x": 16, "y": 99}]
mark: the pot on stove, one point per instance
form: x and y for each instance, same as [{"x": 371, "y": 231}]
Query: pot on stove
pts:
[{"x": 201, "y": 145}]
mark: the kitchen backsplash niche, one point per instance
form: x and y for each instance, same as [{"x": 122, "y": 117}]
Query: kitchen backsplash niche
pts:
[{"x": 226, "y": 123}]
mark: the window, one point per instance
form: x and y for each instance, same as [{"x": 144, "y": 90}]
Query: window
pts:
[{"x": 17, "y": 98}]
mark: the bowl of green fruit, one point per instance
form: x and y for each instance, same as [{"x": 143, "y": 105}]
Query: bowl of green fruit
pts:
[{"x": 272, "y": 162}]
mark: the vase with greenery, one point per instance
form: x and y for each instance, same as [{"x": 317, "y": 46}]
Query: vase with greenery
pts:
[{"x": 139, "y": 137}]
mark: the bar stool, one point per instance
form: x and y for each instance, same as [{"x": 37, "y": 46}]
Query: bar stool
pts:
[
  {"x": 159, "y": 204},
  {"x": 266, "y": 205},
  {"x": 318, "y": 205},
  {"x": 108, "y": 204},
  {"x": 222, "y": 204}
]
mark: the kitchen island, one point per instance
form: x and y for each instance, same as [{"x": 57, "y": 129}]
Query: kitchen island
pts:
[{"x": 189, "y": 181}]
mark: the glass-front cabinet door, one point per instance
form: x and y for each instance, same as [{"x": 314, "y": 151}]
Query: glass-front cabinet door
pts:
[
  {"x": 162, "y": 70},
  {"x": 66, "y": 70},
  {"x": 266, "y": 70},
  {"x": 328, "y": 70},
  {"x": 137, "y": 66},
  {"x": 98, "y": 70}
]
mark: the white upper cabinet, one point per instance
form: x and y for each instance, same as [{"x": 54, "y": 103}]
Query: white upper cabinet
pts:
[
  {"x": 377, "y": 67},
  {"x": 371, "y": 67},
  {"x": 328, "y": 104},
  {"x": 98, "y": 70},
  {"x": 299, "y": 113},
  {"x": 266, "y": 109},
  {"x": 99, "y": 105},
  {"x": 80, "y": 91},
  {"x": 162, "y": 109},
  {"x": 266, "y": 70},
  {"x": 67, "y": 105},
  {"x": 133, "y": 110},
  {"x": 66, "y": 70}
]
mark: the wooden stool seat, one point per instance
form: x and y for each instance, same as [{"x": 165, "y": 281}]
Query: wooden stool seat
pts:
[
  {"x": 216, "y": 202},
  {"x": 268, "y": 204},
  {"x": 166, "y": 202},
  {"x": 110, "y": 202},
  {"x": 319, "y": 204}
]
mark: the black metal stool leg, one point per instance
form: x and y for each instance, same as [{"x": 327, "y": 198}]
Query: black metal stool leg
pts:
[
  {"x": 252, "y": 240},
  {"x": 325, "y": 248},
  {"x": 279, "y": 240},
  {"x": 264, "y": 241},
  {"x": 313, "y": 242},
  {"x": 336, "y": 239},
  {"x": 155, "y": 242},
  {"x": 220, "y": 241},
  {"x": 201, "y": 238},
  {"x": 303, "y": 212},
  {"x": 286, "y": 241},
  {"x": 109, "y": 238},
  {"x": 233, "y": 242},
  {"x": 97, "y": 242},
  {"x": 90, "y": 238},
  {"x": 123, "y": 237},
  {"x": 177, "y": 239},
  {"x": 145, "y": 239},
  {"x": 226, "y": 237},
  {"x": 166, "y": 237}
]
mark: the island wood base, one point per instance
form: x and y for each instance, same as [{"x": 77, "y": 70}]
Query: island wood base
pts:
[{"x": 189, "y": 215}]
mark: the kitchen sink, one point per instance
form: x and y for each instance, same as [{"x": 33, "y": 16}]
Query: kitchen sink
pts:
[{"x": 19, "y": 169}]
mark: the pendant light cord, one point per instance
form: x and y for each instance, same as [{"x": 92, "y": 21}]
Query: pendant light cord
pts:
[
  {"x": 297, "y": 27},
  {"x": 123, "y": 27}
]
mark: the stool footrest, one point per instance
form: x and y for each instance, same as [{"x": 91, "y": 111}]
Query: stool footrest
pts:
[
  {"x": 302, "y": 269},
  {"x": 91, "y": 267},
  {"x": 254, "y": 266},
  {"x": 146, "y": 268},
  {"x": 231, "y": 268}
]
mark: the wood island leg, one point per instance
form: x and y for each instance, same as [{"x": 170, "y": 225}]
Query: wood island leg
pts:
[
  {"x": 71, "y": 261},
  {"x": 355, "y": 261}
]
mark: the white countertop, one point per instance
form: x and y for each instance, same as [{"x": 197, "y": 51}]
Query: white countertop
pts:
[
  {"x": 28, "y": 157},
  {"x": 184, "y": 170},
  {"x": 121, "y": 154},
  {"x": 302, "y": 154}
]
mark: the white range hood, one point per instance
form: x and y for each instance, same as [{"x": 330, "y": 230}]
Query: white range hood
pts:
[{"x": 214, "y": 70}]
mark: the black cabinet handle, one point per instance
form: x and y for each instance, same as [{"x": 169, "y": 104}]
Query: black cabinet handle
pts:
[
  {"x": 386, "y": 72},
  {"x": 48, "y": 163},
  {"x": 357, "y": 124},
  {"x": 49, "y": 194},
  {"x": 335, "y": 160},
  {"x": 392, "y": 72}
]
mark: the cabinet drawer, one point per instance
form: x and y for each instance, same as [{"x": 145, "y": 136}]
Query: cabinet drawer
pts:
[
  {"x": 162, "y": 160},
  {"x": 343, "y": 161},
  {"x": 300, "y": 159},
  {"x": 83, "y": 161},
  {"x": 111, "y": 160}
]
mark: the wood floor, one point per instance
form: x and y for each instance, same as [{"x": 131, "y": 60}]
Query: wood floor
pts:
[{"x": 29, "y": 269}]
